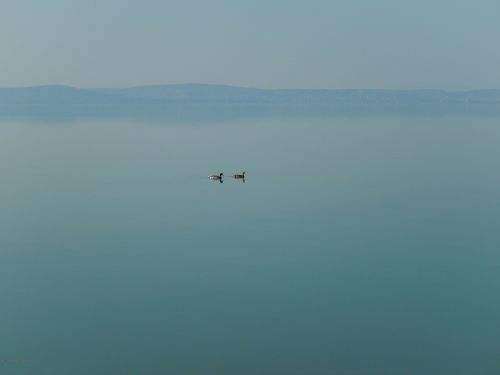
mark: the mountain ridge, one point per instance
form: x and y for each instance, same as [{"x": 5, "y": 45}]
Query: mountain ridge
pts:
[{"x": 165, "y": 99}]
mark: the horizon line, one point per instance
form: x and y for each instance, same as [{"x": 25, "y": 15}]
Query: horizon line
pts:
[{"x": 55, "y": 85}]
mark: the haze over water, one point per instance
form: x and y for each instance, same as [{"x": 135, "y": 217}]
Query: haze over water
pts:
[{"x": 361, "y": 245}]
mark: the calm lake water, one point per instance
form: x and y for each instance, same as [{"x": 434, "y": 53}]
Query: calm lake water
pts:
[{"x": 355, "y": 246}]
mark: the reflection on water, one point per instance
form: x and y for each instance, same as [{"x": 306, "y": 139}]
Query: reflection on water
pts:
[{"x": 361, "y": 246}]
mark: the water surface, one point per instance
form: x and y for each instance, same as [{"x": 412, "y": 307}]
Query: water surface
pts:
[{"x": 355, "y": 246}]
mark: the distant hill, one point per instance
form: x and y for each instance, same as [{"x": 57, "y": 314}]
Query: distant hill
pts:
[{"x": 165, "y": 100}]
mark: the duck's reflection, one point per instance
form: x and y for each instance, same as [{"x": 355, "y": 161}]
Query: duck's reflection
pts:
[{"x": 219, "y": 180}]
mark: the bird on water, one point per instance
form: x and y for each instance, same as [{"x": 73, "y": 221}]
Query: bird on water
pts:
[
  {"x": 239, "y": 175},
  {"x": 215, "y": 177}
]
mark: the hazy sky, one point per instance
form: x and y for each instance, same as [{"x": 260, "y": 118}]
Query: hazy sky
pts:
[{"x": 450, "y": 44}]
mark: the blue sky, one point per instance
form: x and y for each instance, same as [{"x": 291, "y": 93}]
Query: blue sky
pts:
[{"x": 450, "y": 44}]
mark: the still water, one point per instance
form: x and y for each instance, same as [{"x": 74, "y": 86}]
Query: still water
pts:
[{"x": 355, "y": 246}]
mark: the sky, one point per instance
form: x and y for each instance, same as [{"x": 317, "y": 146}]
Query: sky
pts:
[{"x": 391, "y": 44}]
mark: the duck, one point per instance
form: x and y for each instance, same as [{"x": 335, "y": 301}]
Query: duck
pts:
[
  {"x": 239, "y": 176},
  {"x": 215, "y": 177}
]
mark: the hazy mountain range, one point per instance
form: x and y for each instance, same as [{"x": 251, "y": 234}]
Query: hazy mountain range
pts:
[{"x": 205, "y": 100}]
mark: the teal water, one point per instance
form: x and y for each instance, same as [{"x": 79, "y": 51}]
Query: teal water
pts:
[{"x": 355, "y": 246}]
